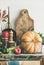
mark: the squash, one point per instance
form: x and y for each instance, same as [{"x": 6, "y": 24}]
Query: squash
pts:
[{"x": 31, "y": 42}]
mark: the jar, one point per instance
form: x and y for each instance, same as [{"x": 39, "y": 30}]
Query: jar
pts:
[
  {"x": 12, "y": 43},
  {"x": 5, "y": 42}
]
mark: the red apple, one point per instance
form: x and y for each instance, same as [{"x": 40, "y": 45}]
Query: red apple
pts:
[
  {"x": 5, "y": 34},
  {"x": 17, "y": 50}
]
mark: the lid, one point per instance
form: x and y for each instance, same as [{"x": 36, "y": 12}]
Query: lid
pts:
[{"x": 11, "y": 31}]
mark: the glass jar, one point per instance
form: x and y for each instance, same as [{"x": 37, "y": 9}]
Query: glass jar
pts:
[{"x": 12, "y": 43}]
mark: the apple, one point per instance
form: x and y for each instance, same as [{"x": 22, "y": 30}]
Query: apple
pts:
[
  {"x": 17, "y": 50},
  {"x": 5, "y": 34}
]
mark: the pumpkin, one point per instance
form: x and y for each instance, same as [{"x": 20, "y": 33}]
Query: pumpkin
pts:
[{"x": 31, "y": 42}]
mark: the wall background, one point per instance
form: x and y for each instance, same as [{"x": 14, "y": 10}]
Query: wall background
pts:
[{"x": 35, "y": 8}]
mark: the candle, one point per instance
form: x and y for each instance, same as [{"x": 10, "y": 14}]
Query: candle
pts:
[
  {"x": 0, "y": 29},
  {"x": 8, "y": 18}
]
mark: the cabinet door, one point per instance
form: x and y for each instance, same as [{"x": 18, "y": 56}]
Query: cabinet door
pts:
[{"x": 30, "y": 63}]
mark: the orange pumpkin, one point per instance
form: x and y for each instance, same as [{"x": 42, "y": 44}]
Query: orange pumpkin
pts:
[{"x": 31, "y": 42}]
